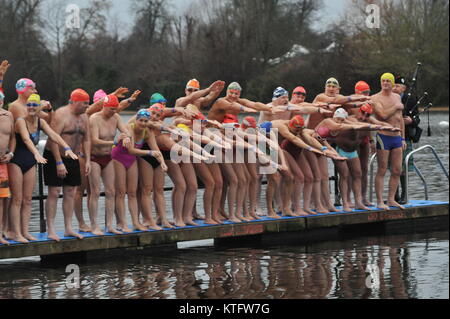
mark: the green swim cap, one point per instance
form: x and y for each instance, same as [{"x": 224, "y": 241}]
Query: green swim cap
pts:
[{"x": 157, "y": 98}]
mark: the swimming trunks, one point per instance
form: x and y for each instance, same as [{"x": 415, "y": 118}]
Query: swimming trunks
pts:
[
  {"x": 4, "y": 181},
  {"x": 388, "y": 143},
  {"x": 150, "y": 159},
  {"x": 103, "y": 161},
  {"x": 51, "y": 178},
  {"x": 349, "y": 155},
  {"x": 23, "y": 157}
]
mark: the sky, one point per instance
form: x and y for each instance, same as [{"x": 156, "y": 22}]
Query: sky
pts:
[{"x": 333, "y": 9}]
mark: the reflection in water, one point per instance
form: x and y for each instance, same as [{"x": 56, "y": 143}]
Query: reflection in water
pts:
[{"x": 400, "y": 267}]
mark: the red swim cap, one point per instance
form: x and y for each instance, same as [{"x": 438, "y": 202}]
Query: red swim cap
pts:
[
  {"x": 299, "y": 89},
  {"x": 249, "y": 121},
  {"x": 79, "y": 95},
  {"x": 159, "y": 108},
  {"x": 361, "y": 86},
  {"x": 111, "y": 101},
  {"x": 366, "y": 108},
  {"x": 297, "y": 122}
]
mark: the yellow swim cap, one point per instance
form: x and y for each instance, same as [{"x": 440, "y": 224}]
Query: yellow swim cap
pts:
[
  {"x": 184, "y": 128},
  {"x": 390, "y": 77},
  {"x": 34, "y": 98}
]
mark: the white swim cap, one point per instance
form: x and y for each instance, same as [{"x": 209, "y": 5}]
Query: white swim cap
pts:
[{"x": 341, "y": 113}]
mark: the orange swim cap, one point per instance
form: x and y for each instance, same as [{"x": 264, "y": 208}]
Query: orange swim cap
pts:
[
  {"x": 79, "y": 95},
  {"x": 297, "y": 122},
  {"x": 299, "y": 89},
  {"x": 111, "y": 101},
  {"x": 193, "y": 84},
  {"x": 159, "y": 108},
  {"x": 361, "y": 86},
  {"x": 366, "y": 108}
]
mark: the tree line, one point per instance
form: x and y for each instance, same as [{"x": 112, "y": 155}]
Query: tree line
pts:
[{"x": 262, "y": 44}]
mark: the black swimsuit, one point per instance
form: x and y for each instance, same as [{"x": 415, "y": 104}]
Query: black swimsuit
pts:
[{"x": 23, "y": 157}]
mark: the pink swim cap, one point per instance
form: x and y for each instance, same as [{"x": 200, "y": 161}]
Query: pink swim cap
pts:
[
  {"x": 100, "y": 94},
  {"x": 23, "y": 85}
]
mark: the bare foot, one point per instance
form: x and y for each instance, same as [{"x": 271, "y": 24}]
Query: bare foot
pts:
[
  {"x": 54, "y": 237},
  {"x": 242, "y": 218},
  {"x": 311, "y": 212},
  {"x": 255, "y": 216},
  {"x": 20, "y": 239},
  {"x": 211, "y": 222},
  {"x": 73, "y": 234},
  {"x": 190, "y": 223},
  {"x": 155, "y": 227},
  {"x": 167, "y": 224},
  {"x": 139, "y": 227},
  {"x": 29, "y": 237},
  {"x": 97, "y": 232},
  {"x": 235, "y": 220},
  {"x": 198, "y": 217},
  {"x": 334, "y": 209},
  {"x": 259, "y": 212},
  {"x": 179, "y": 223},
  {"x": 383, "y": 207},
  {"x": 351, "y": 205},
  {"x": 125, "y": 230},
  {"x": 3, "y": 242},
  {"x": 273, "y": 215},
  {"x": 85, "y": 229},
  {"x": 363, "y": 207},
  {"x": 302, "y": 214},
  {"x": 395, "y": 204},
  {"x": 114, "y": 231},
  {"x": 347, "y": 209},
  {"x": 367, "y": 203},
  {"x": 287, "y": 212}
]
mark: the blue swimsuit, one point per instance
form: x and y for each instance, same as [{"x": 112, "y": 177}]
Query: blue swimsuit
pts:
[{"x": 23, "y": 157}]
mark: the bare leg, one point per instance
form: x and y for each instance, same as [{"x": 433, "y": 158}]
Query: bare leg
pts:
[
  {"x": 364, "y": 154},
  {"x": 121, "y": 191},
  {"x": 218, "y": 189},
  {"x": 108, "y": 177},
  {"x": 132, "y": 184},
  {"x": 325, "y": 187},
  {"x": 313, "y": 162},
  {"x": 253, "y": 189},
  {"x": 303, "y": 165},
  {"x": 344, "y": 172},
  {"x": 288, "y": 184},
  {"x": 79, "y": 195},
  {"x": 29, "y": 181},
  {"x": 2, "y": 239},
  {"x": 207, "y": 179},
  {"x": 68, "y": 203},
  {"x": 355, "y": 170},
  {"x": 160, "y": 202},
  {"x": 233, "y": 183},
  {"x": 50, "y": 210},
  {"x": 146, "y": 179},
  {"x": 383, "y": 157},
  {"x": 178, "y": 193},
  {"x": 94, "y": 184},
  {"x": 259, "y": 211},
  {"x": 243, "y": 183},
  {"x": 16, "y": 180},
  {"x": 396, "y": 171},
  {"x": 191, "y": 193},
  {"x": 273, "y": 182}
]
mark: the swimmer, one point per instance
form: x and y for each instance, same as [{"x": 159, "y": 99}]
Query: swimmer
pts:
[{"x": 22, "y": 168}]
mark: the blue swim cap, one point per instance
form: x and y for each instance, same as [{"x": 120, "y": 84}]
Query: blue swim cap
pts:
[
  {"x": 279, "y": 92},
  {"x": 267, "y": 126},
  {"x": 143, "y": 114}
]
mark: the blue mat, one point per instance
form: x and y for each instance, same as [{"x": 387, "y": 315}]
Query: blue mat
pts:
[{"x": 43, "y": 237}]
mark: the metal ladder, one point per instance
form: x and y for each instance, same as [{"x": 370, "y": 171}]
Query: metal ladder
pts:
[{"x": 418, "y": 172}]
